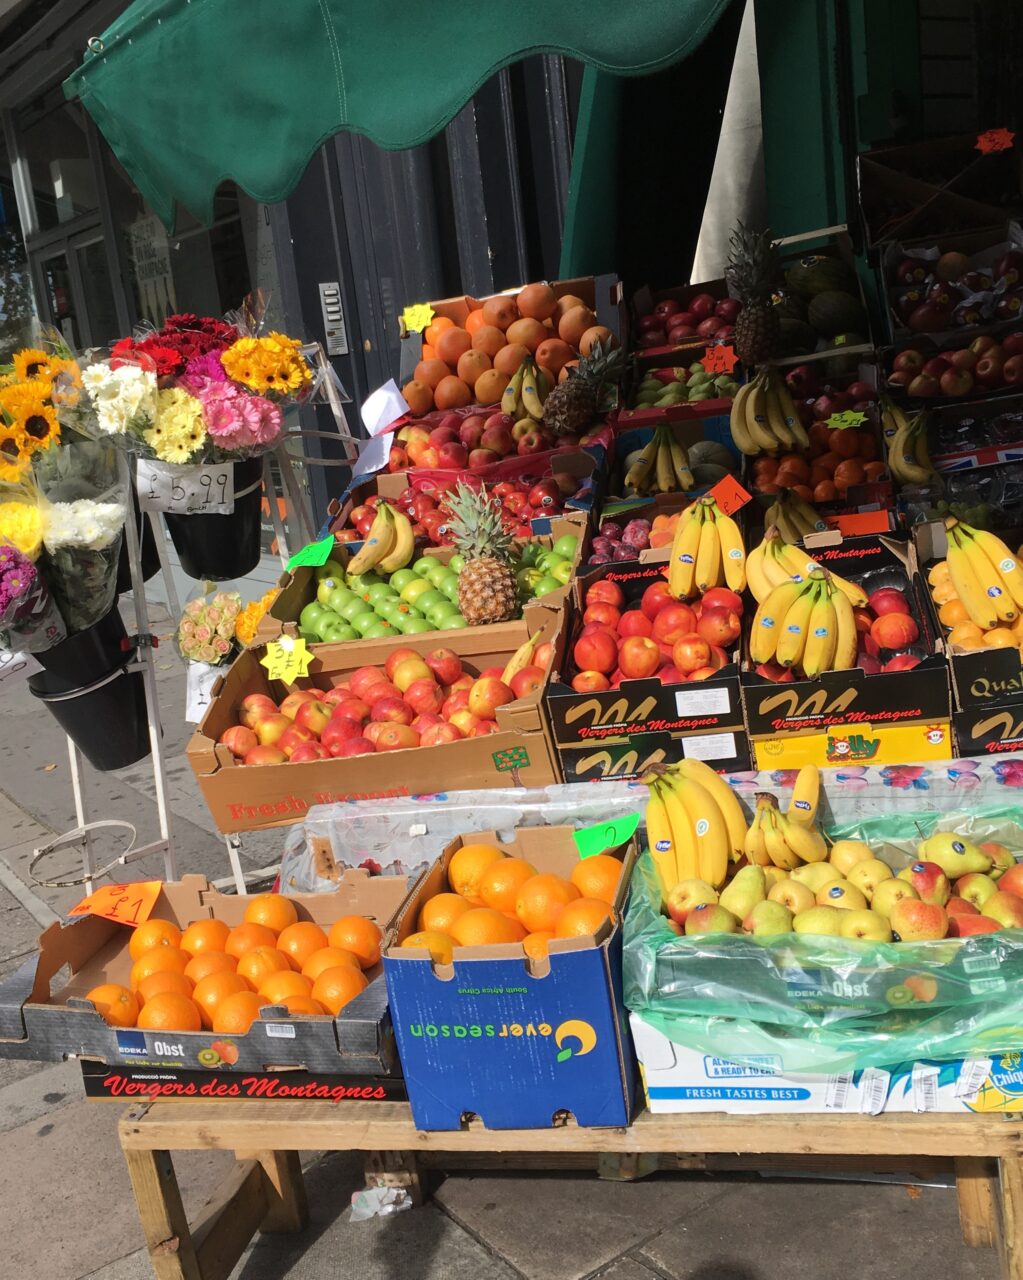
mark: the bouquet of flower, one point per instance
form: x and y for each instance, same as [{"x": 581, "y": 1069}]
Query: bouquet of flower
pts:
[
  {"x": 28, "y": 415},
  {"x": 206, "y": 632},
  {"x": 115, "y": 400},
  {"x": 29, "y": 620},
  {"x": 251, "y": 616},
  {"x": 183, "y": 339},
  {"x": 21, "y": 522}
]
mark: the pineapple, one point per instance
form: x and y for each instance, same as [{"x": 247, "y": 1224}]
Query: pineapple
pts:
[
  {"x": 751, "y": 272},
  {"x": 487, "y": 590},
  {"x": 573, "y": 404}
]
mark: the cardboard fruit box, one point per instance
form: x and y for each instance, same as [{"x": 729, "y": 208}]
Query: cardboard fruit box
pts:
[
  {"x": 514, "y": 1041},
  {"x": 250, "y": 798},
  {"x": 45, "y": 1018},
  {"x": 628, "y": 756}
]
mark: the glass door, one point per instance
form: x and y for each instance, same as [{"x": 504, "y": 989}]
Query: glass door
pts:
[
  {"x": 60, "y": 297},
  {"x": 76, "y": 292}
]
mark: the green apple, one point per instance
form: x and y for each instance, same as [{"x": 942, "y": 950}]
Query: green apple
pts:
[
  {"x": 307, "y": 618},
  {"x": 549, "y": 562},
  {"x": 531, "y": 553},
  {"x": 437, "y": 574},
  {"x": 411, "y": 593},
  {"x": 454, "y": 623},
  {"x": 437, "y": 614},
  {"x": 381, "y": 629},
  {"x": 566, "y": 546},
  {"x": 326, "y": 622},
  {"x": 327, "y": 585},
  {"x": 310, "y": 637},
  {"x": 450, "y": 589},
  {"x": 423, "y": 565},
  {"x": 364, "y": 622},
  {"x": 340, "y": 633},
  {"x": 546, "y": 585},
  {"x": 563, "y": 573},
  {"x": 329, "y": 569},
  {"x": 380, "y": 591},
  {"x": 412, "y": 626},
  {"x": 457, "y": 563},
  {"x": 392, "y": 610},
  {"x": 401, "y": 578},
  {"x": 527, "y": 579},
  {"x": 339, "y": 597},
  {"x": 353, "y": 608},
  {"x": 428, "y": 599},
  {"x": 442, "y": 578},
  {"x": 363, "y": 581}
]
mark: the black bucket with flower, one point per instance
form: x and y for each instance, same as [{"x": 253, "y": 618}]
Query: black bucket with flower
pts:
[{"x": 221, "y": 548}]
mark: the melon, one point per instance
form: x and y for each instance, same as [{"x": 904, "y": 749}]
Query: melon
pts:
[
  {"x": 835, "y": 311},
  {"x": 710, "y": 453},
  {"x": 818, "y": 274},
  {"x": 797, "y": 338}
]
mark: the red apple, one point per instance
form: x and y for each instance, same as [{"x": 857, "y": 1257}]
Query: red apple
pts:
[
  {"x": 396, "y": 737},
  {"x": 638, "y": 658},
  {"x": 443, "y": 435},
  {"x": 376, "y": 692},
  {"x": 314, "y": 716},
  {"x": 480, "y": 459},
  {"x": 354, "y": 747},
  {"x": 393, "y": 711},
  {"x": 255, "y": 707},
  {"x": 655, "y": 598},
  {"x": 293, "y": 737},
  {"x": 436, "y": 734},
  {"x": 470, "y": 433},
  {"x": 527, "y": 681},
  {"x": 340, "y": 729},
  {"x": 363, "y": 677},
  {"x": 719, "y": 626},
  {"x": 291, "y": 704},
  {"x": 673, "y": 622},
  {"x": 1012, "y": 370},
  {"x": 268, "y": 731},
  {"x": 265, "y": 755},
  {"x": 307, "y": 751},
  {"x": 956, "y": 382},
  {"x": 499, "y": 439},
  {"x": 590, "y": 682},
  {"x": 422, "y": 696},
  {"x": 690, "y": 653},
  {"x": 486, "y": 695},
  {"x": 910, "y": 361},
  {"x": 464, "y": 721},
  {"x": 239, "y": 740},
  {"x": 452, "y": 456},
  {"x": 988, "y": 371},
  {"x": 445, "y": 665},
  {"x": 352, "y": 709},
  {"x": 887, "y": 600},
  {"x": 409, "y": 671}
]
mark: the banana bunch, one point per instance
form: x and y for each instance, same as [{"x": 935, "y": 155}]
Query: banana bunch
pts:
[
  {"x": 986, "y": 575},
  {"x": 806, "y": 623},
  {"x": 389, "y": 545},
  {"x": 764, "y": 419},
  {"x": 775, "y": 561},
  {"x": 906, "y": 437},
  {"x": 695, "y": 824},
  {"x": 525, "y": 395},
  {"x": 662, "y": 467},
  {"x": 785, "y": 840},
  {"x": 706, "y": 551},
  {"x": 794, "y": 516}
]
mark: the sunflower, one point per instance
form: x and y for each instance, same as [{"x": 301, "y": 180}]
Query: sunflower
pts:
[
  {"x": 14, "y": 454},
  {"x": 32, "y": 362},
  {"x": 27, "y": 406}
]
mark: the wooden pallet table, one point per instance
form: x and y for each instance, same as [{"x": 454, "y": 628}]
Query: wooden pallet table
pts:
[{"x": 266, "y": 1192}]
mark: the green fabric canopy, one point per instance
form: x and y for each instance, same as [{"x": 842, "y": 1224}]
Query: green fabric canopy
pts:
[{"x": 191, "y": 92}]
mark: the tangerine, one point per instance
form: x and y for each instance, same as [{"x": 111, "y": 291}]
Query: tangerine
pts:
[
  {"x": 535, "y": 944},
  {"x": 502, "y": 880},
  {"x": 159, "y": 960},
  {"x": 156, "y": 983},
  {"x": 583, "y": 918},
  {"x": 451, "y": 393},
  {"x": 966, "y": 635},
  {"x": 1000, "y": 638},
  {"x": 484, "y": 927},
  {"x": 452, "y": 344},
  {"x": 359, "y": 936},
  {"x": 211, "y": 990},
  {"x": 328, "y": 958},
  {"x": 952, "y": 612},
  {"x": 278, "y": 987},
  {"x": 116, "y": 1005},
  {"x": 441, "y": 911},
  {"x": 299, "y": 941},
  {"x": 154, "y": 933},
  {"x": 236, "y": 1013},
  {"x": 439, "y": 945},
  {"x": 466, "y": 868},
  {"x": 169, "y": 1012},
  {"x": 944, "y": 592},
  {"x": 597, "y": 877},
  {"x": 205, "y": 935},
  {"x": 304, "y": 1005},
  {"x": 259, "y": 963},
  {"x": 939, "y": 573},
  {"x": 418, "y": 396},
  {"x": 541, "y": 901},
  {"x": 435, "y": 328},
  {"x": 243, "y": 937},
  {"x": 490, "y": 386},
  {"x": 208, "y": 962},
  {"x": 271, "y": 909},
  {"x": 430, "y": 372},
  {"x": 334, "y": 988},
  {"x": 474, "y": 322}
]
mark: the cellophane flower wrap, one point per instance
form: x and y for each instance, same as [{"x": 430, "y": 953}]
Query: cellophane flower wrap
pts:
[
  {"x": 29, "y": 418},
  {"x": 116, "y": 400},
  {"x": 29, "y": 619},
  {"x": 206, "y": 632}
]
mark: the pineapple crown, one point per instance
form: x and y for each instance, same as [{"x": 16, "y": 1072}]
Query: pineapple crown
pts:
[
  {"x": 475, "y": 524},
  {"x": 605, "y": 364},
  {"x": 752, "y": 264}
]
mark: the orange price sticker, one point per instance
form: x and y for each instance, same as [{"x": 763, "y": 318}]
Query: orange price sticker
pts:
[
  {"x": 729, "y": 495},
  {"x": 129, "y": 904},
  {"x": 719, "y": 359},
  {"x": 992, "y": 140}
]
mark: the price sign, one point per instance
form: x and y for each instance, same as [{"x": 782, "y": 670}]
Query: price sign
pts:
[
  {"x": 198, "y": 690},
  {"x": 847, "y": 418},
  {"x": 992, "y": 140},
  {"x": 189, "y": 491},
  {"x": 417, "y": 317},
  {"x": 719, "y": 359},
  {"x": 286, "y": 659},
  {"x": 314, "y": 553},
  {"x": 15, "y": 667},
  {"x": 605, "y": 835},
  {"x": 729, "y": 495},
  {"x": 129, "y": 904}
]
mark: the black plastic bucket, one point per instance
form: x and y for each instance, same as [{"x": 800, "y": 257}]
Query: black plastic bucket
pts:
[
  {"x": 221, "y": 548},
  {"x": 106, "y": 719},
  {"x": 89, "y": 654}
]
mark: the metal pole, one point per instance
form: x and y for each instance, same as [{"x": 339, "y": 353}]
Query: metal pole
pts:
[{"x": 88, "y": 863}]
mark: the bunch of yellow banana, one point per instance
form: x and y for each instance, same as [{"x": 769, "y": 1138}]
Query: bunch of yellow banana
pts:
[
  {"x": 706, "y": 551},
  {"x": 806, "y": 623},
  {"x": 662, "y": 467},
  {"x": 985, "y": 574},
  {"x": 389, "y": 545},
  {"x": 525, "y": 395},
  {"x": 763, "y": 417},
  {"x": 794, "y": 516},
  {"x": 695, "y": 824},
  {"x": 783, "y": 840},
  {"x": 909, "y": 460},
  {"x": 775, "y": 561}
]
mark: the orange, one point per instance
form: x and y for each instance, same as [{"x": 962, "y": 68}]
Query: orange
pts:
[
  {"x": 490, "y": 386},
  {"x": 943, "y": 592},
  {"x": 474, "y": 322},
  {"x": 419, "y": 396},
  {"x": 439, "y": 945},
  {"x": 235, "y": 1014},
  {"x": 207, "y": 962},
  {"x": 169, "y": 1012},
  {"x": 154, "y": 933},
  {"x": 359, "y": 936},
  {"x": 542, "y": 899},
  {"x": 271, "y": 909},
  {"x": 466, "y": 868},
  {"x": 429, "y": 372},
  {"x": 116, "y": 1005},
  {"x": 452, "y": 344},
  {"x": 472, "y": 365},
  {"x": 1000, "y": 638},
  {"x": 157, "y": 983},
  {"x": 243, "y": 937},
  {"x": 488, "y": 339},
  {"x": 597, "y": 877},
  {"x": 966, "y": 634},
  {"x": 441, "y": 911},
  {"x": 210, "y": 991},
  {"x": 304, "y": 1005},
  {"x": 260, "y": 963},
  {"x": 299, "y": 941},
  {"x": 483, "y": 927},
  {"x": 450, "y": 393},
  {"x": 952, "y": 612},
  {"x": 535, "y": 944},
  {"x": 278, "y": 987},
  {"x": 205, "y": 935},
  {"x": 502, "y": 880},
  {"x": 159, "y": 960},
  {"x": 334, "y": 988},
  {"x": 435, "y": 328},
  {"x": 582, "y": 918},
  {"x": 328, "y": 958},
  {"x": 939, "y": 573}
]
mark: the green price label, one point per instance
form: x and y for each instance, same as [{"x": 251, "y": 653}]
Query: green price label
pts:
[
  {"x": 314, "y": 553},
  {"x": 847, "y": 418},
  {"x": 605, "y": 835}
]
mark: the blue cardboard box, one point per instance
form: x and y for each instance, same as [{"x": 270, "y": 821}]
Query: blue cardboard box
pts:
[{"x": 510, "y": 1040}]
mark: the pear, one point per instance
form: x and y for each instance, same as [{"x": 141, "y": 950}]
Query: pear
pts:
[
  {"x": 825, "y": 920},
  {"x": 954, "y": 855},
  {"x": 748, "y": 887},
  {"x": 767, "y": 919},
  {"x": 846, "y": 853},
  {"x": 815, "y": 875}
]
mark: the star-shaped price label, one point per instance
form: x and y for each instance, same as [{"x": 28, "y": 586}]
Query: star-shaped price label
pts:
[
  {"x": 416, "y": 317},
  {"x": 286, "y": 659},
  {"x": 847, "y": 418},
  {"x": 992, "y": 140},
  {"x": 720, "y": 358}
]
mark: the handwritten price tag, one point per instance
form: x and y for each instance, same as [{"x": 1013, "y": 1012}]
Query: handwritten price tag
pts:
[
  {"x": 605, "y": 835},
  {"x": 729, "y": 495},
  {"x": 286, "y": 659},
  {"x": 314, "y": 553},
  {"x": 129, "y": 904},
  {"x": 15, "y": 667},
  {"x": 198, "y": 690},
  {"x": 719, "y": 359},
  {"x": 847, "y": 418},
  {"x": 190, "y": 491},
  {"x": 417, "y": 317},
  {"x": 992, "y": 140}
]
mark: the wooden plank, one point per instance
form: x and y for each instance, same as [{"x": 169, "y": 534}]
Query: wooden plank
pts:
[
  {"x": 162, "y": 1215},
  {"x": 1010, "y": 1176},
  {"x": 977, "y": 1189},
  {"x": 289, "y": 1209},
  {"x": 387, "y": 1126},
  {"x": 229, "y": 1220}
]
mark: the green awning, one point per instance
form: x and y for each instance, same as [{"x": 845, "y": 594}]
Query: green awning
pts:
[{"x": 191, "y": 92}]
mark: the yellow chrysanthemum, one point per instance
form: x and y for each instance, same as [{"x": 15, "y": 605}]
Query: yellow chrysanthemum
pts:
[
  {"x": 27, "y": 407},
  {"x": 272, "y": 364},
  {"x": 21, "y": 525},
  {"x": 179, "y": 430}
]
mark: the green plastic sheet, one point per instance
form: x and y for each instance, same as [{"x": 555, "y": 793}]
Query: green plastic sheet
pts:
[
  {"x": 191, "y": 92},
  {"x": 824, "y": 1004}
]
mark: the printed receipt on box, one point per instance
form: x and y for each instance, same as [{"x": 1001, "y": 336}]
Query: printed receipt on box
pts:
[
  {"x": 709, "y": 746},
  {"x": 702, "y": 702}
]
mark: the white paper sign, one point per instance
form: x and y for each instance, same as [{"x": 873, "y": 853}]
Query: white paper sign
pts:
[
  {"x": 702, "y": 702},
  {"x": 381, "y": 408},
  {"x": 193, "y": 491},
  {"x": 198, "y": 690},
  {"x": 373, "y": 455},
  {"x": 15, "y": 667},
  {"x": 709, "y": 746}
]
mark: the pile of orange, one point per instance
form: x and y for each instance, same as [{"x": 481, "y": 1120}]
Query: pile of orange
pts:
[
  {"x": 494, "y": 899},
  {"x": 219, "y": 978}
]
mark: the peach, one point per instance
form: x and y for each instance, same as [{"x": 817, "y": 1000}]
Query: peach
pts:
[
  {"x": 590, "y": 682},
  {"x": 691, "y": 653},
  {"x": 606, "y": 614},
  {"x": 486, "y": 695},
  {"x": 268, "y": 731},
  {"x": 596, "y": 651},
  {"x": 408, "y": 672},
  {"x": 604, "y": 592},
  {"x": 894, "y": 630},
  {"x": 638, "y": 657},
  {"x": 424, "y": 695},
  {"x": 719, "y": 626},
  {"x": 655, "y": 598},
  {"x": 265, "y": 755},
  {"x": 396, "y": 737},
  {"x": 239, "y": 740},
  {"x": 635, "y": 623},
  {"x": 672, "y": 623}
]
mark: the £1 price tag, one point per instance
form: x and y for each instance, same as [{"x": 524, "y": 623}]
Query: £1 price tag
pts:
[
  {"x": 130, "y": 904},
  {"x": 847, "y": 418},
  {"x": 605, "y": 835},
  {"x": 729, "y": 495},
  {"x": 992, "y": 140},
  {"x": 416, "y": 317},
  {"x": 190, "y": 491},
  {"x": 286, "y": 659},
  {"x": 720, "y": 358},
  {"x": 198, "y": 690}
]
